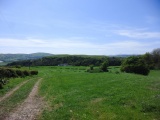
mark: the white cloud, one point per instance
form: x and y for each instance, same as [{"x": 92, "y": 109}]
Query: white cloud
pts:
[
  {"x": 140, "y": 34},
  {"x": 74, "y": 46}
]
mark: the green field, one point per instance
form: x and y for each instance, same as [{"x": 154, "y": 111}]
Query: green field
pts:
[{"x": 71, "y": 93}]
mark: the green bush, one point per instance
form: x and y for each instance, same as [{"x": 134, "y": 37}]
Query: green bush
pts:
[
  {"x": 135, "y": 64},
  {"x": 104, "y": 66},
  {"x": 11, "y": 73},
  {"x": 20, "y": 73},
  {"x": 26, "y": 73},
  {"x": 34, "y": 72},
  {"x": 6, "y": 73}
]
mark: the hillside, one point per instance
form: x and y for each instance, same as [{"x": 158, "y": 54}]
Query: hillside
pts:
[{"x": 18, "y": 57}]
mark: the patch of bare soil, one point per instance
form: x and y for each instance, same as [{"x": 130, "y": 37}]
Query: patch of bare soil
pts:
[
  {"x": 12, "y": 91},
  {"x": 30, "y": 108}
]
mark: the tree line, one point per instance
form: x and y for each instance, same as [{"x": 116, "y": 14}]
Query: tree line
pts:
[
  {"x": 140, "y": 64},
  {"x": 70, "y": 60}
]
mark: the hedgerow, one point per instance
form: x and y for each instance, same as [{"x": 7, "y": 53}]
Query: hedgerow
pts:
[{"x": 7, "y": 73}]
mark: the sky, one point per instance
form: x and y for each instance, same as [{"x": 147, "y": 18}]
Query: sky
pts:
[{"x": 91, "y": 27}]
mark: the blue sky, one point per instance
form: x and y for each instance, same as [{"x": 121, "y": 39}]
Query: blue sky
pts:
[{"x": 93, "y": 27}]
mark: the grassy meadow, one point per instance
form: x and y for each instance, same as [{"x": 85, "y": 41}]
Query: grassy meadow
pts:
[{"x": 73, "y": 94}]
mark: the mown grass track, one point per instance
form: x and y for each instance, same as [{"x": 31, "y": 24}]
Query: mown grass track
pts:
[{"x": 8, "y": 105}]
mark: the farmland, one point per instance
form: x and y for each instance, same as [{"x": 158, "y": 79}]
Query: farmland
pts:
[{"x": 72, "y": 93}]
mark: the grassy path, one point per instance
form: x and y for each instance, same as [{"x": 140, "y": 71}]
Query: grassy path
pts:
[
  {"x": 12, "y": 91},
  {"x": 30, "y": 108}
]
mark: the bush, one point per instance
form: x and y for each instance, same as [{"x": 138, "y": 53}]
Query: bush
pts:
[
  {"x": 34, "y": 72},
  {"x": 7, "y": 73},
  {"x": 26, "y": 73},
  {"x": 1, "y": 85},
  {"x": 104, "y": 67},
  {"x": 11, "y": 73},
  {"x": 135, "y": 64},
  {"x": 20, "y": 73},
  {"x": 96, "y": 70}
]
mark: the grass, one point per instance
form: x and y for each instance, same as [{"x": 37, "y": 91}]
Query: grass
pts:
[
  {"x": 11, "y": 84},
  {"x": 16, "y": 98},
  {"x": 72, "y": 93}
]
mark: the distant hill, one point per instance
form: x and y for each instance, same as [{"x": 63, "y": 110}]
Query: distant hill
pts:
[
  {"x": 124, "y": 55},
  {"x": 18, "y": 57}
]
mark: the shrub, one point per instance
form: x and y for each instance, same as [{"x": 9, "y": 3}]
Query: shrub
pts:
[
  {"x": 91, "y": 67},
  {"x": 17, "y": 66},
  {"x": 7, "y": 73},
  {"x": 1, "y": 85},
  {"x": 11, "y": 73},
  {"x": 96, "y": 70},
  {"x": 104, "y": 67},
  {"x": 20, "y": 73},
  {"x": 26, "y": 73},
  {"x": 135, "y": 64},
  {"x": 34, "y": 72}
]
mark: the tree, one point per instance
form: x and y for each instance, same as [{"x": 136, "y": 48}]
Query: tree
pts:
[
  {"x": 148, "y": 57},
  {"x": 104, "y": 66},
  {"x": 135, "y": 64},
  {"x": 156, "y": 58}
]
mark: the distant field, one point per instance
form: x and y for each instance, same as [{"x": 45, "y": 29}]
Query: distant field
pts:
[
  {"x": 73, "y": 94},
  {"x": 3, "y": 63}
]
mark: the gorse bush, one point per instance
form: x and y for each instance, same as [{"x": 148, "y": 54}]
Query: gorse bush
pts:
[
  {"x": 135, "y": 64},
  {"x": 7, "y": 73},
  {"x": 20, "y": 73},
  {"x": 26, "y": 73},
  {"x": 34, "y": 72}
]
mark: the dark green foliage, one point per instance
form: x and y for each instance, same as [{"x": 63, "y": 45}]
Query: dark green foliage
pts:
[
  {"x": 18, "y": 66},
  {"x": 34, "y": 72},
  {"x": 149, "y": 60},
  {"x": 7, "y": 73},
  {"x": 1, "y": 85},
  {"x": 11, "y": 73},
  {"x": 20, "y": 73},
  {"x": 95, "y": 70},
  {"x": 153, "y": 59},
  {"x": 91, "y": 67},
  {"x": 135, "y": 64},
  {"x": 156, "y": 58},
  {"x": 70, "y": 60},
  {"x": 26, "y": 73},
  {"x": 115, "y": 61},
  {"x": 104, "y": 66}
]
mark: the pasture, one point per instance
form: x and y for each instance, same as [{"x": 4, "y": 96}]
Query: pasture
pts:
[{"x": 71, "y": 93}]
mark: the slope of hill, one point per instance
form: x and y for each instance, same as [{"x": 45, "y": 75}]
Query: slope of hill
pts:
[{"x": 17, "y": 57}]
